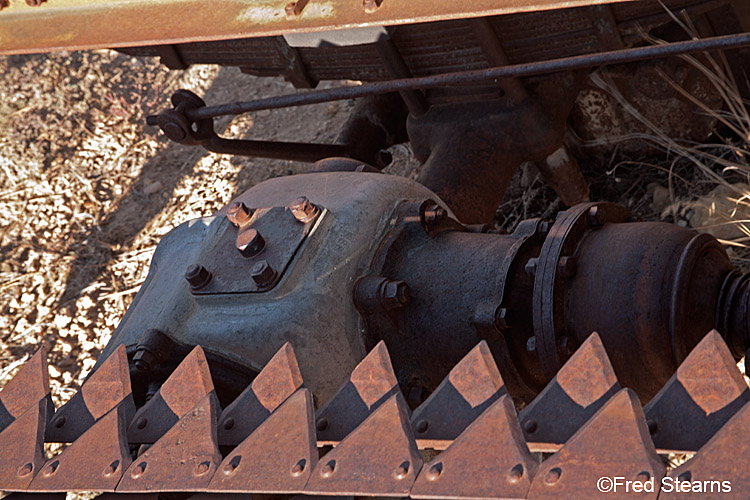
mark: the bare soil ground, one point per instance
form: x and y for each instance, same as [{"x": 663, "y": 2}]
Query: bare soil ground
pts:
[{"x": 87, "y": 190}]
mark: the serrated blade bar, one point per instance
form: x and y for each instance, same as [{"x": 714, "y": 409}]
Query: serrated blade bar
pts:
[{"x": 25, "y": 389}]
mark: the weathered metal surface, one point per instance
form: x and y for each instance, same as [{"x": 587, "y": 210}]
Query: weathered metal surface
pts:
[
  {"x": 468, "y": 390},
  {"x": 581, "y": 387},
  {"x": 28, "y": 386},
  {"x": 278, "y": 457},
  {"x": 278, "y": 380},
  {"x": 73, "y": 24},
  {"x": 718, "y": 469},
  {"x": 22, "y": 445},
  {"x": 184, "y": 459},
  {"x": 186, "y": 386},
  {"x": 371, "y": 383},
  {"x": 594, "y": 452},
  {"x": 704, "y": 393},
  {"x": 94, "y": 462},
  {"x": 106, "y": 388},
  {"x": 491, "y": 450},
  {"x": 378, "y": 458}
]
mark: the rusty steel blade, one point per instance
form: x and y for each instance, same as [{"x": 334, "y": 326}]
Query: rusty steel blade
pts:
[
  {"x": 701, "y": 396},
  {"x": 492, "y": 450},
  {"x": 581, "y": 387},
  {"x": 278, "y": 380},
  {"x": 720, "y": 461},
  {"x": 28, "y": 386},
  {"x": 94, "y": 462},
  {"x": 184, "y": 459},
  {"x": 371, "y": 383},
  {"x": 189, "y": 384},
  {"x": 613, "y": 443},
  {"x": 128, "y": 496},
  {"x": 103, "y": 390},
  {"x": 468, "y": 390},
  {"x": 277, "y": 457},
  {"x": 35, "y": 496},
  {"x": 379, "y": 458},
  {"x": 22, "y": 448}
]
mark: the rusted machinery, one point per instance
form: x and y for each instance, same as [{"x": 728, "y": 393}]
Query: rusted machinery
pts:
[
  {"x": 350, "y": 333},
  {"x": 286, "y": 291}
]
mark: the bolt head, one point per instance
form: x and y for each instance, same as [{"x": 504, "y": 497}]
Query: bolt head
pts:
[
  {"x": 250, "y": 243},
  {"x": 566, "y": 266},
  {"x": 434, "y": 214},
  {"x": 238, "y": 213},
  {"x": 303, "y": 210},
  {"x": 197, "y": 276},
  {"x": 502, "y": 319},
  {"x": 531, "y": 344},
  {"x": 596, "y": 217},
  {"x": 262, "y": 273},
  {"x": 531, "y": 266},
  {"x": 396, "y": 293}
]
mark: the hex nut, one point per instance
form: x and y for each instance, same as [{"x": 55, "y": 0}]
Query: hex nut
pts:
[
  {"x": 238, "y": 213},
  {"x": 395, "y": 293},
  {"x": 263, "y": 274},
  {"x": 303, "y": 210},
  {"x": 197, "y": 276}
]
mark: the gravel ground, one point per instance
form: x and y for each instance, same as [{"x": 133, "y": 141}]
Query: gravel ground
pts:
[{"x": 87, "y": 190}]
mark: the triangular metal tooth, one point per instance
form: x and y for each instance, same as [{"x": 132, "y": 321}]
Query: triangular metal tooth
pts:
[
  {"x": 701, "y": 396},
  {"x": 186, "y": 386},
  {"x": 28, "y": 386},
  {"x": 613, "y": 443},
  {"x": 371, "y": 383},
  {"x": 22, "y": 448},
  {"x": 581, "y": 387},
  {"x": 278, "y": 380},
  {"x": 469, "y": 389},
  {"x": 35, "y": 496},
  {"x": 721, "y": 460},
  {"x": 379, "y": 458},
  {"x": 103, "y": 390},
  {"x": 184, "y": 459},
  {"x": 94, "y": 462},
  {"x": 277, "y": 457},
  {"x": 492, "y": 449}
]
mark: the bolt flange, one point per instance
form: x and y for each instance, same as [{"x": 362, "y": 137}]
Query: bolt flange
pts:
[
  {"x": 238, "y": 213},
  {"x": 303, "y": 210}
]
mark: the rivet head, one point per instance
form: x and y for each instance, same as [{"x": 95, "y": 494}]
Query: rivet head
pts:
[
  {"x": 202, "y": 468},
  {"x": 138, "y": 470},
  {"x": 422, "y": 426},
  {"x": 322, "y": 424},
  {"x": 434, "y": 472},
  {"x": 299, "y": 468},
  {"x": 515, "y": 474},
  {"x": 530, "y": 426},
  {"x": 238, "y": 213},
  {"x": 327, "y": 470},
  {"x": 553, "y": 475},
  {"x": 643, "y": 476},
  {"x": 228, "y": 423},
  {"x": 197, "y": 276},
  {"x": 303, "y": 210},
  {"x": 59, "y": 422},
  {"x": 141, "y": 423},
  {"x": 401, "y": 471},
  {"x": 26, "y": 469}
]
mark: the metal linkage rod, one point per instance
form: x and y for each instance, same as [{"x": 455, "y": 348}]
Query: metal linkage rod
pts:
[{"x": 476, "y": 76}]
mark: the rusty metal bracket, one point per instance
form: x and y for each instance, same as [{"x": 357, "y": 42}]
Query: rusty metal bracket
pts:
[
  {"x": 278, "y": 380},
  {"x": 491, "y": 448},
  {"x": 186, "y": 386},
  {"x": 278, "y": 457},
  {"x": 468, "y": 390},
  {"x": 106, "y": 388},
  {"x": 94, "y": 462},
  {"x": 184, "y": 459},
  {"x": 581, "y": 387},
  {"x": 590, "y": 454},
  {"x": 378, "y": 458},
  {"x": 371, "y": 383},
  {"x": 704, "y": 393},
  {"x": 29, "y": 385}
]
